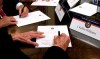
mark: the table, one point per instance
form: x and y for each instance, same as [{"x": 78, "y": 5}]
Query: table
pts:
[{"x": 79, "y": 49}]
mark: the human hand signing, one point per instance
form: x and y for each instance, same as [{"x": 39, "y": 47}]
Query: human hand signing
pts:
[
  {"x": 23, "y": 11},
  {"x": 6, "y": 21},
  {"x": 27, "y": 36},
  {"x": 62, "y": 41}
]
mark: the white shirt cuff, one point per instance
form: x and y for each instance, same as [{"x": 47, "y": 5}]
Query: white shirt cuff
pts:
[{"x": 18, "y": 5}]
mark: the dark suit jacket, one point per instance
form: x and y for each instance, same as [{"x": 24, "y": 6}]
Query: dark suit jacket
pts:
[
  {"x": 8, "y": 49},
  {"x": 55, "y": 53},
  {"x": 9, "y": 7}
]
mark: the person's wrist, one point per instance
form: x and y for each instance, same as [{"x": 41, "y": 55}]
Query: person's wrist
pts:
[{"x": 58, "y": 45}]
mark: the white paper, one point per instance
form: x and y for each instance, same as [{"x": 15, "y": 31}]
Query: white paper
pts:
[
  {"x": 50, "y": 32},
  {"x": 32, "y": 17},
  {"x": 60, "y": 12},
  {"x": 45, "y": 3},
  {"x": 72, "y": 2},
  {"x": 85, "y": 9}
]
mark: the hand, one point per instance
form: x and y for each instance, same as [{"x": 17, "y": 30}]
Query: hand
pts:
[
  {"x": 45, "y": 0},
  {"x": 33, "y": 0},
  {"x": 6, "y": 21},
  {"x": 61, "y": 41},
  {"x": 27, "y": 36},
  {"x": 25, "y": 11}
]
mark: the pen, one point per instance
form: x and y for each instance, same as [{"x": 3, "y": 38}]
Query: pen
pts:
[
  {"x": 58, "y": 33},
  {"x": 21, "y": 11}
]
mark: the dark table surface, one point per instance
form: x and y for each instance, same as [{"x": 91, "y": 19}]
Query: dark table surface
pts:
[{"x": 79, "y": 49}]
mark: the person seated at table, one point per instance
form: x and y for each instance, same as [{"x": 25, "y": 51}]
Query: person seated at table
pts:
[
  {"x": 14, "y": 7},
  {"x": 6, "y": 21},
  {"x": 58, "y": 50},
  {"x": 8, "y": 48}
]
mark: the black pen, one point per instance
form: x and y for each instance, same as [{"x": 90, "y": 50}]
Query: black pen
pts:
[
  {"x": 58, "y": 33},
  {"x": 22, "y": 11}
]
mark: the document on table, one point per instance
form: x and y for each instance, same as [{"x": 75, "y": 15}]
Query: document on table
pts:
[
  {"x": 50, "y": 32},
  {"x": 32, "y": 17},
  {"x": 85, "y": 9},
  {"x": 60, "y": 12},
  {"x": 45, "y": 3}
]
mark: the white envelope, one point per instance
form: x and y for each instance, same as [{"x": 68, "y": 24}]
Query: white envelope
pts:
[
  {"x": 45, "y": 3},
  {"x": 85, "y": 9},
  {"x": 32, "y": 17},
  {"x": 50, "y": 32}
]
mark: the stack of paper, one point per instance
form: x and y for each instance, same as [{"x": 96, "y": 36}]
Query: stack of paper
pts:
[
  {"x": 85, "y": 9},
  {"x": 45, "y": 3},
  {"x": 50, "y": 32},
  {"x": 32, "y": 17}
]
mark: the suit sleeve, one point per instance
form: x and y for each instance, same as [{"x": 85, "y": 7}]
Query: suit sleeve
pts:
[
  {"x": 55, "y": 53},
  {"x": 8, "y": 48},
  {"x": 9, "y": 7}
]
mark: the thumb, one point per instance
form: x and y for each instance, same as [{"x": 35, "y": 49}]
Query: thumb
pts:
[
  {"x": 32, "y": 43},
  {"x": 55, "y": 37},
  {"x": 13, "y": 23}
]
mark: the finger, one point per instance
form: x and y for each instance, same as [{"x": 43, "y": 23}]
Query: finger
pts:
[
  {"x": 65, "y": 37},
  {"x": 31, "y": 43},
  {"x": 25, "y": 12},
  {"x": 36, "y": 32},
  {"x": 63, "y": 34},
  {"x": 13, "y": 23},
  {"x": 20, "y": 11},
  {"x": 11, "y": 17},
  {"x": 40, "y": 32},
  {"x": 12, "y": 20},
  {"x": 35, "y": 0},
  {"x": 39, "y": 36},
  {"x": 27, "y": 41},
  {"x": 47, "y": 0},
  {"x": 55, "y": 37},
  {"x": 68, "y": 38},
  {"x": 23, "y": 15}
]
